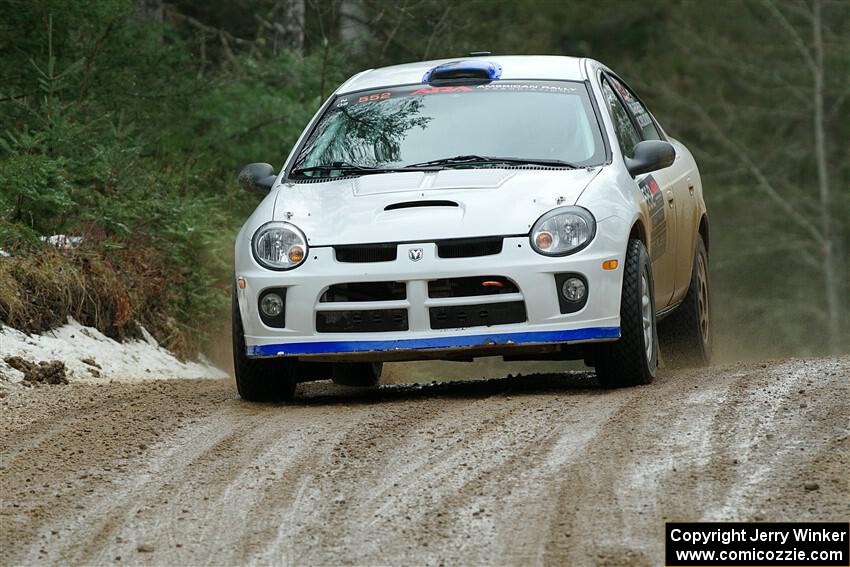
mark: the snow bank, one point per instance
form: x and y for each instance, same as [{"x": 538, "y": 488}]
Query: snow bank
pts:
[
  {"x": 57, "y": 240},
  {"x": 106, "y": 359},
  {"x": 62, "y": 240}
]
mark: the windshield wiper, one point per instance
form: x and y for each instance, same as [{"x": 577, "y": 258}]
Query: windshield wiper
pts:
[
  {"x": 353, "y": 169},
  {"x": 491, "y": 160}
]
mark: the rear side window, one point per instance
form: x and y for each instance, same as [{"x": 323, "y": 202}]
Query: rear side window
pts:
[
  {"x": 644, "y": 120},
  {"x": 627, "y": 135}
]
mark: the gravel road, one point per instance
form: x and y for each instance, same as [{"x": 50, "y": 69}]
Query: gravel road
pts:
[{"x": 535, "y": 470}]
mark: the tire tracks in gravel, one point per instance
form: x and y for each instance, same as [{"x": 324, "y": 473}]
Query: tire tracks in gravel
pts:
[
  {"x": 608, "y": 497},
  {"x": 214, "y": 470},
  {"x": 532, "y": 471},
  {"x": 49, "y": 477},
  {"x": 691, "y": 454},
  {"x": 431, "y": 479}
]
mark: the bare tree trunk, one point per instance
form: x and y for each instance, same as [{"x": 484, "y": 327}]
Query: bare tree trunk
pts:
[
  {"x": 353, "y": 31},
  {"x": 149, "y": 10},
  {"x": 294, "y": 24},
  {"x": 830, "y": 266}
]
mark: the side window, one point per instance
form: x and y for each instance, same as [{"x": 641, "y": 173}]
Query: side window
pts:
[
  {"x": 647, "y": 126},
  {"x": 627, "y": 135}
]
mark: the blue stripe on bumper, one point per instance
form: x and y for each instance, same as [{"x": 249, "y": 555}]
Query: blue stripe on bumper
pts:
[{"x": 334, "y": 347}]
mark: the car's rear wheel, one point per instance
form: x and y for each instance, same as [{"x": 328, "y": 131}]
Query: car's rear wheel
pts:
[
  {"x": 633, "y": 359},
  {"x": 360, "y": 374},
  {"x": 259, "y": 379},
  {"x": 686, "y": 333}
]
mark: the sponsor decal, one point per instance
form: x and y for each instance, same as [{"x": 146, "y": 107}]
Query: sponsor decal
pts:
[
  {"x": 640, "y": 114},
  {"x": 394, "y": 93},
  {"x": 636, "y": 107},
  {"x": 438, "y": 90},
  {"x": 624, "y": 92},
  {"x": 526, "y": 87},
  {"x": 657, "y": 215}
]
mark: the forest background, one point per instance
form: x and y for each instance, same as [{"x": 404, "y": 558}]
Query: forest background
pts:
[{"x": 124, "y": 122}]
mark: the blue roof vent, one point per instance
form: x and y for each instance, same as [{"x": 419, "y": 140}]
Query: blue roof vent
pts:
[{"x": 463, "y": 70}]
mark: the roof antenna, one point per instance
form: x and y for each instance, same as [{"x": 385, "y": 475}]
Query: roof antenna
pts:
[{"x": 479, "y": 53}]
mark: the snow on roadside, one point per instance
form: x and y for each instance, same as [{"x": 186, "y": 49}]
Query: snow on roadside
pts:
[
  {"x": 62, "y": 240},
  {"x": 72, "y": 343}
]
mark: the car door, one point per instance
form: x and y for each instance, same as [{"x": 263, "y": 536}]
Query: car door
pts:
[
  {"x": 680, "y": 195},
  {"x": 655, "y": 189}
]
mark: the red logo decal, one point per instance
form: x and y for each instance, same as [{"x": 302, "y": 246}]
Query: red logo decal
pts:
[{"x": 435, "y": 90}]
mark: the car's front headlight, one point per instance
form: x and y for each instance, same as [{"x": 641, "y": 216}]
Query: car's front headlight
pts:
[
  {"x": 563, "y": 231},
  {"x": 279, "y": 246}
]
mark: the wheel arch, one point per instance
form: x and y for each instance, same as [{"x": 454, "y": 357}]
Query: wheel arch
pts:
[
  {"x": 638, "y": 232},
  {"x": 703, "y": 231}
]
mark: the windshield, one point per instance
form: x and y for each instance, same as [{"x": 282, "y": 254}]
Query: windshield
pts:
[{"x": 420, "y": 124}]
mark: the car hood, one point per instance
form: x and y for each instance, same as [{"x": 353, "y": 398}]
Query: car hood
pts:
[{"x": 412, "y": 206}]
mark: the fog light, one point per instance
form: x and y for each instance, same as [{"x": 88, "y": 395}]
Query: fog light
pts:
[
  {"x": 271, "y": 305},
  {"x": 573, "y": 289}
]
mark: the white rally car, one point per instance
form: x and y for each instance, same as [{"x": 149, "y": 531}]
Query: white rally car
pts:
[{"x": 528, "y": 207}]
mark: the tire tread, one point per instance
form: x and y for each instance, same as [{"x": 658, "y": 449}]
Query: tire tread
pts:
[
  {"x": 680, "y": 332},
  {"x": 259, "y": 379},
  {"x": 623, "y": 362}
]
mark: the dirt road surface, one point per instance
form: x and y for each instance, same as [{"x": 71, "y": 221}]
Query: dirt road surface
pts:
[{"x": 536, "y": 470}]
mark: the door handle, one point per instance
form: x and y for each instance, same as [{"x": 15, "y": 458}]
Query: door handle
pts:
[
  {"x": 670, "y": 196},
  {"x": 690, "y": 186}
]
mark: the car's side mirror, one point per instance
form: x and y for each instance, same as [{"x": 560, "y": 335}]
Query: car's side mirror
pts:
[
  {"x": 257, "y": 178},
  {"x": 650, "y": 155}
]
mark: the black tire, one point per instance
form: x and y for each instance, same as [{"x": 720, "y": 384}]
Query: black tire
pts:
[
  {"x": 686, "y": 334},
  {"x": 260, "y": 379},
  {"x": 360, "y": 374},
  {"x": 629, "y": 360}
]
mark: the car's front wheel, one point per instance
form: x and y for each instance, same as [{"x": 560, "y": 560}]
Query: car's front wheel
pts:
[
  {"x": 633, "y": 359},
  {"x": 259, "y": 379}
]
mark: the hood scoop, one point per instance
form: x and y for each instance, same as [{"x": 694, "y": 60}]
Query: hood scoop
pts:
[{"x": 416, "y": 204}]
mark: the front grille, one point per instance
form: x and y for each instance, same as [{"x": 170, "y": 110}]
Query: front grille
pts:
[
  {"x": 457, "y": 248},
  {"x": 369, "y": 321},
  {"x": 366, "y": 253},
  {"x": 365, "y": 291},
  {"x": 469, "y": 247},
  {"x": 471, "y": 286},
  {"x": 457, "y": 317}
]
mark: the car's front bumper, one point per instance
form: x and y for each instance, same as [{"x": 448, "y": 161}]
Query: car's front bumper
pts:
[{"x": 533, "y": 273}]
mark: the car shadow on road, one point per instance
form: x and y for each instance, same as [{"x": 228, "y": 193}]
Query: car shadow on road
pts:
[{"x": 325, "y": 393}]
